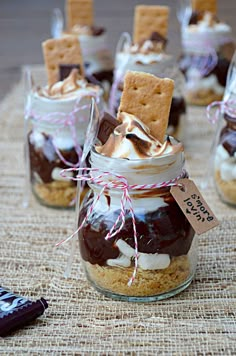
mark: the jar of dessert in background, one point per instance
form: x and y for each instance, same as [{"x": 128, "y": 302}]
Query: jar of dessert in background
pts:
[
  {"x": 225, "y": 157},
  {"x": 98, "y": 60},
  {"x": 149, "y": 56},
  {"x": 152, "y": 255},
  {"x": 207, "y": 49},
  {"x": 56, "y": 122},
  {"x": 223, "y": 151}
]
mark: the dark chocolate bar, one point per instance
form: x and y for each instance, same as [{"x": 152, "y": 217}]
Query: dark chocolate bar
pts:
[
  {"x": 65, "y": 69},
  {"x": 17, "y": 311},
  {"x": 107, "y": 125}
]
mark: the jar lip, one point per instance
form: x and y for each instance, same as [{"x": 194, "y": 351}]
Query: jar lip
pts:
[{"x": 136, "y": 160}]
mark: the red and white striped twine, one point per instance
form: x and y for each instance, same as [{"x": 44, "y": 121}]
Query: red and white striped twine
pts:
[
  {"x": 117, "y": 182},
  {"x": 227, "y": 107}
]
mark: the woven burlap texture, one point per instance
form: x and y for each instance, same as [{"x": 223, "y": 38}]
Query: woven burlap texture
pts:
[{"x": 199, "y": 321}]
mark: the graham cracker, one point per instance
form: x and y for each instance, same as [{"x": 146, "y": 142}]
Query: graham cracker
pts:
[
  {"x": 149, "y": 99},
  {"x": 205, "y": 5},
  {"x": 79, "y": 12},
  {"x": 149, "y": 19},
  {"x": 58, "y": 51}
]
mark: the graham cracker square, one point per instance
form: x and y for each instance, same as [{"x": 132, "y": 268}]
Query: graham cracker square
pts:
[
  {"x": 149, "y": 19},
  {"x": 56, "y": 51},
  {"x": 149, "y": 99},
  {"x": 79, "y": 12}
]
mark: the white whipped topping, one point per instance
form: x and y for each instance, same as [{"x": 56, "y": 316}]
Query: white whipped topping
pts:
[
  {"x": 225, "y": 163},
  {"x": 205, "y": 34},
  {"x": 196, "y": 82},
  {"x": 141, "y": 204},
  {"x": 37, "y": 139},
  {"x": 146, "y": 261},
  {"x": 95, "y": 52}
]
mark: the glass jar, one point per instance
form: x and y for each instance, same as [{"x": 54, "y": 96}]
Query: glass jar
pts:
[
  {"x": 98, "y": 61},
  {"x": 167, "y": 248},
  {"x": 55, "y": 132},
  {"x": 159, "y": 64},
  {"x": 225, "y": 161},
  {"x": 207, "y": 49}
]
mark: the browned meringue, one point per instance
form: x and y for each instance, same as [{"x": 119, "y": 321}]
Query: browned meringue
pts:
[
  {"x": 69, "y": 87},
  {"x": 132, "y": 140}
]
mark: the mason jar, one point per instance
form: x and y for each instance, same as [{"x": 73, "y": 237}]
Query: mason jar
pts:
[
  {"x": 225, "y": 161},
  {"x": 162, "y": 261},
  {"x": 55, "y": 133},
  {"x": 98, "y": 61},
  {"x": 207, "y": 49}
]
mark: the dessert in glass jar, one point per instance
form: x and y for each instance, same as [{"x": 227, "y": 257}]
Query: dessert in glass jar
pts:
[
  {"x": 56, "y": 123},
  {"x": 147, "y": 54},
  {"x": 135, "y": 242},
  {"x": 207, "y": 51},
  {"x": 225, "y": 161},
  {"x": 93, "y": 40}
]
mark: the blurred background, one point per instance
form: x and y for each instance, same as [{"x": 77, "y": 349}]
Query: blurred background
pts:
[{"x": 24, "y": 24}]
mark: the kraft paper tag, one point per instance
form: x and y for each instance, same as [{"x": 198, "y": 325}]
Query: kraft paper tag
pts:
[{"x": 194, "y": 206}]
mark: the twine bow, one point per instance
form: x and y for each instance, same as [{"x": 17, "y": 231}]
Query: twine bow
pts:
[
  {"x": 115, "y": 181},
  {"x": 228, "y": 107}
]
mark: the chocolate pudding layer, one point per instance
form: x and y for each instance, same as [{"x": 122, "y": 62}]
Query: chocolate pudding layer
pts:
[
  {"x": 45, "y": 159},
  {"x": 164, "y": 231}
]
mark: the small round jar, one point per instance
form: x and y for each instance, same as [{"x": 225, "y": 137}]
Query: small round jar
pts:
[
  {"x": 167, "y": 249},
  {"x": 161, "y": 65},
  {"x": 225, "y": 162},
  {"x": 207, "y": 50},
  {"x": 55, "y": 143}
]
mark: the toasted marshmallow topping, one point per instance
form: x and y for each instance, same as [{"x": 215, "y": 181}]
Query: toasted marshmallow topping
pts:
[
  {"x": 82, "y": 30},
  {"x": 68, "y": 88},
  {"x": 147, "y": 47},
  {"x": 209, "y": 23},
  {"x": 132, "y": 140}
]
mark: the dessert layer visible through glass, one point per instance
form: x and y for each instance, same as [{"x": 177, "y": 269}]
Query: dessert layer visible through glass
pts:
[{"x": 166, "y": 243}]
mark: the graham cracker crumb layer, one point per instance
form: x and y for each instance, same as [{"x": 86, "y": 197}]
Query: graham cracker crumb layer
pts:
[{"x": 146, "y": 283}]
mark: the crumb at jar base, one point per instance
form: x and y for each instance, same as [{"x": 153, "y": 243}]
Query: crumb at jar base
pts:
[
  {"x": 202, "y": 97},
  {"x": 148, "y": 285},
  {"x": 55, "y": 194},
  {"x": 226, "y": 189}
]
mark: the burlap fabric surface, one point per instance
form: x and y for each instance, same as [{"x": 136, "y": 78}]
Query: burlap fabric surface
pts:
[{"x": 199, "y": 321}]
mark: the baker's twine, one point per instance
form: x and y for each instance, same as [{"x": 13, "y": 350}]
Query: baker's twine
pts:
[
  {"x": 119, "y": 182},
  {"x": 228, "y": 107},
  {"x": 66, "y": 120}
]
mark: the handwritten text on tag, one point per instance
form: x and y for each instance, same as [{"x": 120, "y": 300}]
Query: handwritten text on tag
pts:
[{"x": 194, "y": 206}]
